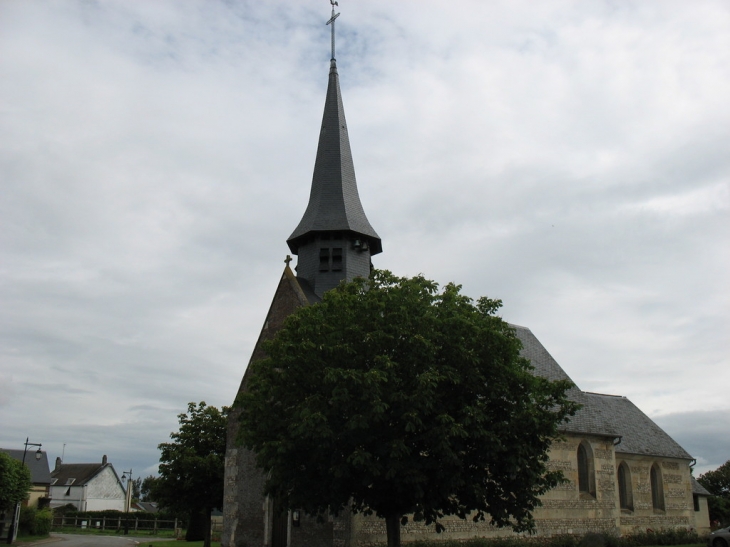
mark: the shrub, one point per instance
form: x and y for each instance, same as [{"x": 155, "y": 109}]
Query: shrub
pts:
[
  {"x": 27, "y": 518},
  {"x": 42, "y": 523},
  {"x": 34, "y": 522}
]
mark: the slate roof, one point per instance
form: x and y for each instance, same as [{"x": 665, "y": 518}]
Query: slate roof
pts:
[
  {"x": 606, "y": 415},
  {"x": 532, "y": 349},
  {"x": 334, "y": 203},
  {"x": 147, "y": 506},
  {"x": 81, "y": 472},
  {"x": 698, "y": 489},
  {"x": 311, "y": 296},
  {"x": 39, "y": 471}
]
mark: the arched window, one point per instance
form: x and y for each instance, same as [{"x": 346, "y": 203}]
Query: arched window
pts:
[
  {"x": 586, "y": 476},
  {"x": 625, "y": 493},
  {"x": 657, "y": 488}
]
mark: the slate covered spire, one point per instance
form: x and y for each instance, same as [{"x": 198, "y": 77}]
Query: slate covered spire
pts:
[
  {"x": 334, "y": 202},
  {"x": 334, "y": 240}
]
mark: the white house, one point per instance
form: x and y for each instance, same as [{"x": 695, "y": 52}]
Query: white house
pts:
[{"x": 88, "y": 486}]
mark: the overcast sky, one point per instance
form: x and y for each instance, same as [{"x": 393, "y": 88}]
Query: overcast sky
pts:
[{"x": 570, "y": 158}]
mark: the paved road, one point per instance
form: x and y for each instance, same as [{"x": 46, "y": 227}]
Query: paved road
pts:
[{"x": 70, "y": 540}]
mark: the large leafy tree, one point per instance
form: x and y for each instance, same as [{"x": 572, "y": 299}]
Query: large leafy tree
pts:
[
  {"x": 14, "y": 482},
  {"x": 718, "y": 483},
  {"x": 394, "y": 397},
  {"x": 191, "y": 468}
]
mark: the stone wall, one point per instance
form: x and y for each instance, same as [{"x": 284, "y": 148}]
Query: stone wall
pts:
[
  {"x": 247, "y": 515},
  {"x": 564, "y": 509},
  {"x": 678, "y": 511}
]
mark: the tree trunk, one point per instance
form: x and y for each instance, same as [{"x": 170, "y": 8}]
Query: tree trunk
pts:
[
  {"x": 206, "y": 541},
  {"x": 196, "y": 526},
  {"x": 392, "y": 527}
]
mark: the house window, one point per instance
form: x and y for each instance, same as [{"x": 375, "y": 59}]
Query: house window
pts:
[
  {"x": 696, "y": 502},
  {"x": 586, "y": 478},
  {"x": 324, "y": 260},
  {"x": 337, "y": 260},
  {"x": 625, "y": 494},
  {"x": 657, "y": 488}
]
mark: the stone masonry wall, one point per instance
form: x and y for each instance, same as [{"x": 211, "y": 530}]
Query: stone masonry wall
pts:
[{"x": 246, "y": 515}]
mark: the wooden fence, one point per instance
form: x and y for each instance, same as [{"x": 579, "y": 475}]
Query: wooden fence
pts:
[{"x": 152, "y": 526}]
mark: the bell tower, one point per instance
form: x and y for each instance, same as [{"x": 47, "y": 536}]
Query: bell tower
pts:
[{"x": 334, "y": 240}]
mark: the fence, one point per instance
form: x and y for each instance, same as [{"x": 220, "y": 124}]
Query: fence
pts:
[{"x": 152, "y": 526}]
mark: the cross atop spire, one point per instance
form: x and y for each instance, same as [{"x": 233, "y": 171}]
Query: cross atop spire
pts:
[{"x": 332, "y": 22}]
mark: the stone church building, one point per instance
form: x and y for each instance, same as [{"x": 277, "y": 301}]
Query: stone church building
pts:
[{"x": 625, "y": 473}]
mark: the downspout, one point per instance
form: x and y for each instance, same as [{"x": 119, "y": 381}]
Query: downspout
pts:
[{"x": 617, "y": 440}]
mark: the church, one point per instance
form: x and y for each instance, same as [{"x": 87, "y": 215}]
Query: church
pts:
[{"x": 625, "y": 474}]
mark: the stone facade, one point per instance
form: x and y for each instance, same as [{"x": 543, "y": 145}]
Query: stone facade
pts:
[{"x": 567, "y": 510}]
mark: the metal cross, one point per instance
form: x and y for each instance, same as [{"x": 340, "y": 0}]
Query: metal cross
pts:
[{"x": 332, "y": 21}]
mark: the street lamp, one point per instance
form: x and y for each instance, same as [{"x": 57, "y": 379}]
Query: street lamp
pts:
[
  {"x": 127, "y": 475},
  {"x": 13, "y": 532}
]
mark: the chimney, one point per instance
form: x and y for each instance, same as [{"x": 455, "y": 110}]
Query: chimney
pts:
[
  {"x": 58, "y": 464},
  {"x": 103, "y": 460}
]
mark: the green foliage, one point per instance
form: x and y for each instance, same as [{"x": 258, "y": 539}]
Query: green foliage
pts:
[
  {"x": 719, "y": 509},
  {"x": 718, "y": 483},
  {"x": 402, "y": 399},
  {"x": 42, "y": 523},
  {"x": 191, "y": 466},
  {"x": 62, "y": 510},
  {"x": 14, "y": 482},
  {"x": 35, "y": 522},
  {"x": 670, "y": 536},
  {"x": 146, "y": 487},
  {"x": 26, "y": 520}
]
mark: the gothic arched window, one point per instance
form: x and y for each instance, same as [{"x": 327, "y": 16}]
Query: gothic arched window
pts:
[
  {"x": 586, "y": 478},
  {"x": 657, "y": 488},
  {"x": 625, "y": 493}
]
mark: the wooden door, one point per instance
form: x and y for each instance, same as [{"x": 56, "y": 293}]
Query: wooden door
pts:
[{"x": 279, "y": 529}]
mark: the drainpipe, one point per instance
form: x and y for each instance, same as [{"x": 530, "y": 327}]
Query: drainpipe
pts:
[{"x": 617, "y": 440}]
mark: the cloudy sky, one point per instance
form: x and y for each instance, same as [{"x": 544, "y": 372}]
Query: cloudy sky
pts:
[{"x": 570, "y": 158}]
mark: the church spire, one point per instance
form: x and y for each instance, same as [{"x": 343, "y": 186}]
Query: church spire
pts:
[{"x": 334, "y": 240}]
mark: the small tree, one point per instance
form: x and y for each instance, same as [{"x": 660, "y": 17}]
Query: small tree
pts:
[
  {"x": 718, "y": 483},
  {"x": 136, "y": 488},
  {"x": 394, "y": 398},
  {"x": 146, "y": 488},
  {"x": 14, "y": 482},
  {"x": 191, "y": 468}
]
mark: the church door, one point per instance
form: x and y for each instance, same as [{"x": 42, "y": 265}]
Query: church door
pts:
[{"x": 280, "y": 529}]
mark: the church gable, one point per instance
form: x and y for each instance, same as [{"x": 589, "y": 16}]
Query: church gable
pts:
[{"x": 289, "y": 296}]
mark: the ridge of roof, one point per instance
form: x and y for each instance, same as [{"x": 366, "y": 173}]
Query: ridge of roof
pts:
[{"x": 334, "y": 202}]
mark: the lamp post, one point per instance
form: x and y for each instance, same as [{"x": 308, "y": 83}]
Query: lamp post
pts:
[
  {"x": 127, "y": 475},
  {"x": 13, "y": 532}
]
